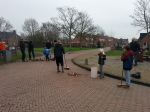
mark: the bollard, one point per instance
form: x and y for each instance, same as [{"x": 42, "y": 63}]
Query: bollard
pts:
[
  {"x": 86, "y": 61},
  {"x": 94, "y": 72}
]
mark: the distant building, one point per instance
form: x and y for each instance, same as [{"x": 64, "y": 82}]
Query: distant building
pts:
[
  {"x": 144, "y": 40},
  {"x": 10, "y": 38},
  {"x": 104, "y": 41}
]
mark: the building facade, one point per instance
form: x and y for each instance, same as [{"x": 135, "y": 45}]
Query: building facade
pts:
[{"x": 11, "y": 39}]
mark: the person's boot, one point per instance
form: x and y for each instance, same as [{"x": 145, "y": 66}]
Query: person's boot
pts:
[
  {"x": 62, "y": 69},
  {"x": 101, "y": 75},
  {"x": 58, "y": 69}
]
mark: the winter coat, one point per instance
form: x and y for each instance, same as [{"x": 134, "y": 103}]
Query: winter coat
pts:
[
  {"x": 48, "y": 45},
  {"x": 131, "y": 54},
  {"x": 135, "y": 46},
  {"x": 30, "y": 46},
  {"x": 22, "y": 45},
  {"x": 46, "y": 51},
  {"x": 58, "y": 50},
  {"x": 101, "y": 59},
  {"x": 127, "y": 59}
]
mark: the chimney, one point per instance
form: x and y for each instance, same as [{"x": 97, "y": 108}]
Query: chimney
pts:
[{"x": 14, "y": 31}]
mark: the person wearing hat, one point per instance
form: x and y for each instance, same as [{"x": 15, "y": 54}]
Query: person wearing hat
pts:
[
  {"x": 101, "y": 61},
  {"x": 135, "y": 47},
  {"x": 22, "y": 49}
]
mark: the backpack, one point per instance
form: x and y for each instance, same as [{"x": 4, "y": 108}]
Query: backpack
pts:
[{"x": 136, "y": 75}]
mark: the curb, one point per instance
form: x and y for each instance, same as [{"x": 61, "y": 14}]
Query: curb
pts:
[{"x": 112, "y": 76}]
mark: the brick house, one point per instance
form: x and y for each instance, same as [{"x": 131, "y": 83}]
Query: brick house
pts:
[
  {"x": 144, "y": 40},
  {"x": 10, "y": 38},
  {"x": 104, "y": 41},
  {"x": 86, "y": 41}
]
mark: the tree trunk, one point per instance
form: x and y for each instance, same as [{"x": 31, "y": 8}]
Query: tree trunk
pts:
[
  {"x": 80, "y": 41},
  {"x": 149, "y": 42},
  {"x": 69, "y": 42}
]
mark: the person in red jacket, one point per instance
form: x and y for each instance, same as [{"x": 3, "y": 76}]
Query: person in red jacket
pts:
[{"x": 127, "y": 58}]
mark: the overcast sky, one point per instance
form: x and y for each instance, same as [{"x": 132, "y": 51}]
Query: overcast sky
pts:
[{"x": 111, "y": 15}]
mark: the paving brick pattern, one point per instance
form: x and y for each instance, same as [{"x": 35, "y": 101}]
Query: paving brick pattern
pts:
[{"x": 37, "y": 87}]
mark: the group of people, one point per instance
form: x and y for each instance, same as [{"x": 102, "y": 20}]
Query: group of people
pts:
[
  {"x": 129, "y": 58},
  {"x": 30, "y": 49},
  {"x": 58, "y": 52}
]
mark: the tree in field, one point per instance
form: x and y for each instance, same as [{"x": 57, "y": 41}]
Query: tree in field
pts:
[
  {"x": 83, "y": 25},
  {"x": 50, "y": 31},
  {"x": 30, "y": 26},
  {"x": 141, "y": 16},
  {"x": 98, "y": 44},
  {"x": 95, "y": 30},
  {"x": 5, "y": 25},
  {"x": 67, "y": 21}
]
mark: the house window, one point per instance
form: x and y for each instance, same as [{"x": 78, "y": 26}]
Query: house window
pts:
[
  {"x": 102, "y": 40},
  {"x": 144, "y": 43}
]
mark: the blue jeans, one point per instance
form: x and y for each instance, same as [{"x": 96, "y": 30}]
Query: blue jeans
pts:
[
  {"x": 135, "y": 57},
  {"x": 127, "y": 77},
  {"x": 101, "y": 69}
]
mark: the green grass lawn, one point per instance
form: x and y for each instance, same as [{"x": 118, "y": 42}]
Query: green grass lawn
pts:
[
  {"x": 19, "y": 56},
  {"x": 65, "y": 48},
  {"x": 114, "y": 53},
  {"x": 16, "y": 57}
]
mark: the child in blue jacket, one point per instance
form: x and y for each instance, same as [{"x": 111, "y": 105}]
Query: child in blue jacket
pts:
[
  {"x": 46, "y": 52},
  {"x": 127, "y": 58}
]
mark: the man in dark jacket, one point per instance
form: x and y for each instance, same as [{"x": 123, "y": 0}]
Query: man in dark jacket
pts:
[
  {"x": 31, "y": 50},
  {"x": 58, "y": 53},
  {"x": 48, "y": 45},
  {"x": 22, "y": 49},
  {"x": 135, "y": 47}
]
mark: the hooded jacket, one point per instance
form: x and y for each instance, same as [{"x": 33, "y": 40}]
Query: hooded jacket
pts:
[
  {"x": 46, "y": 51},
  {"x": 127, "y": 59},
  {"x": 131, "y": 54},
  {"x": 58, "y": 50}
]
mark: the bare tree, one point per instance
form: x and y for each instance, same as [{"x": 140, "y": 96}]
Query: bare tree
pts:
[
  {"x": 30, "y": 26},
  {"x": 83, "y": 24},
  {"x": 141, "y": 16},
  {"x": 50, "y": 31},
  {"x": 67, "y": 21},
  {"x": 5, "y": 25},
  {"x": 96, "y": 30}
]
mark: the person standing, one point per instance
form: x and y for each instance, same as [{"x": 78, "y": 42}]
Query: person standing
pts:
[
  {"x": 135, "y": 47},
  {"x": 48, "y": 45},
  {"x": 127, "y": 64},
  {"x": 31, "y": 50},
  {"x": 22, "y": 49},
  {"x": 58, "y": 54},
  {"x": 101, "y": 61},
  {"x": 46, "y": 52}
]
